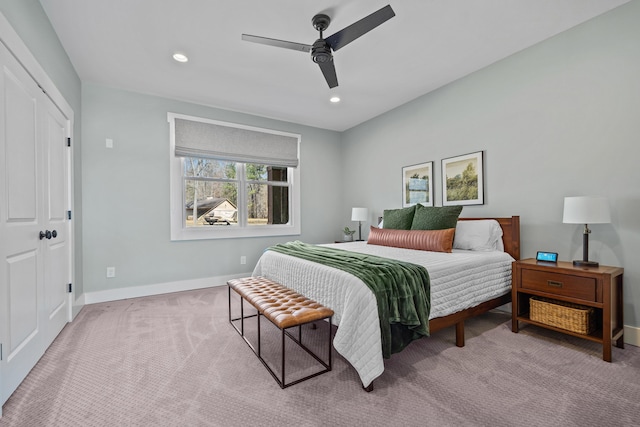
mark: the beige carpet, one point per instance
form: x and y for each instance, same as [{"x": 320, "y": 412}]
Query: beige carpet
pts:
[{"x": 173, "y": 360}]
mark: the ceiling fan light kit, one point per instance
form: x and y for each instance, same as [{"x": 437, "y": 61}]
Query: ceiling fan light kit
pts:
[{"x": 322, "y": 49}]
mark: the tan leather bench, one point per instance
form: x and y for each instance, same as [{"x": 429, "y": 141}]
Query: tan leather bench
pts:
[{"x": 286, "y": 309}]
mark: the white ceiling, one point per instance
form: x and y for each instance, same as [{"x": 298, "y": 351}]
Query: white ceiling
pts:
[{"x": 128, "y": 44}]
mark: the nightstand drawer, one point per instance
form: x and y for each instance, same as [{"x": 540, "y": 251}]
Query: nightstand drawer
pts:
[{"x": 560, "y": 284}]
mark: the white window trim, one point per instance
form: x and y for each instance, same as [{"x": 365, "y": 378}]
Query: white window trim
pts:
[{"x": 178, "y": 229}]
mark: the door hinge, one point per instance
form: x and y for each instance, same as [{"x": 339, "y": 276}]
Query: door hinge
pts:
[
  {"x": 68, "y": 142},
  {"x": 0, "y": 351},
  {"x": 70, "y": 288},
  {"x": 69, "y": 215}
]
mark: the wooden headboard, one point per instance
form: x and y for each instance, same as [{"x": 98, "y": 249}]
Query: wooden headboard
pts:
[{"x": 510, "y": 234}]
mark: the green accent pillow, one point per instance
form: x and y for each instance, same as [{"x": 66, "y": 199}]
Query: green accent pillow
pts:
[
  {"x": 398, "y": 219},
  {"x": 435, "y": 217}
]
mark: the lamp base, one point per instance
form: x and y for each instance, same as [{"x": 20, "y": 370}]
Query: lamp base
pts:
[{"x": 581, "y": 263}]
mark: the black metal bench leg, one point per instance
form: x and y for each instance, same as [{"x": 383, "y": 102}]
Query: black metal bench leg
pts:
[
  {"x": 241, "y": 316},
  {"x": 282, "y": 385},
  {"x": 329, "y": 341}
]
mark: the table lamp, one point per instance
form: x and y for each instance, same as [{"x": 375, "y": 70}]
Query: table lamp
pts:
[
  {"x": 586, "y": 210},
  {"x": 359, "y": 214}
]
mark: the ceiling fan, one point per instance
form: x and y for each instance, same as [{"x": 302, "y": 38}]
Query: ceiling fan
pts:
[{"x": 321, "y": 50}]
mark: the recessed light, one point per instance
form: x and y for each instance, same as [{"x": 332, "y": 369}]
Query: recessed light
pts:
[
  {"x": 334, "y": 99},
  {"x": 180, "y": 57}
]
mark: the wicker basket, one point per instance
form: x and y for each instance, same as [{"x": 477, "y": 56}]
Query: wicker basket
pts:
[{"x": 565, "y": 315}]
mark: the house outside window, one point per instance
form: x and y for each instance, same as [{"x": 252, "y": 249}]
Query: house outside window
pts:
[{"x": 214, "y": 195}]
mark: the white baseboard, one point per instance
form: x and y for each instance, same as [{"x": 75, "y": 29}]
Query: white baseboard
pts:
[
  {"x": 157, "y": 289},
  {"x": 632, "y": 335}
]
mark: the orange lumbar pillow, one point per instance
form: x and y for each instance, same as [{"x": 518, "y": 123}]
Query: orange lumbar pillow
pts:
[{"x": 422, "y": 240}]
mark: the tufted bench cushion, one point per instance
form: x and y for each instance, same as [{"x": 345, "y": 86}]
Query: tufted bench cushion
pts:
[
  {"x": 285, "y": 308},
  {"x": 282, "y": 306}
]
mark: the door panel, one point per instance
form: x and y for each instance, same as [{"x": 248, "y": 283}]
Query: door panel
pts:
[
  {"x": 21, "y": 219},
  {"x": 56, "y": 297},
  {"x": 23, "y": 298},
  {"x": 20, "y": 147},
  {"x": 56, "y": 164},
  {"x": 57, "y": 255}
]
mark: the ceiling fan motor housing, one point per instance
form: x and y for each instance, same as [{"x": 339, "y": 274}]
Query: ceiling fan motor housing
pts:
[{"x": 321, "y": 52}]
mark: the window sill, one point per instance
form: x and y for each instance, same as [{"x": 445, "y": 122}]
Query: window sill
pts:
[{"x": 233, "y": 232}]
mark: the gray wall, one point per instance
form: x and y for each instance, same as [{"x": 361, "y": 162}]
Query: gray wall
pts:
[
  {"x": 558, "y": 119},
  {"x": 126, "y": 193},
  {"x": 32, "y": 25}
]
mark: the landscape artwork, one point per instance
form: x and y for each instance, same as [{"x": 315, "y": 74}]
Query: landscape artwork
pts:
[
  {"x": 417, "y": 184},
  {"x": 463, "y": 180}
]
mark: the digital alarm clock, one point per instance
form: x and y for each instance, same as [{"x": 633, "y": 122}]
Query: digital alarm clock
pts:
[{"x": 547, "y": 256}]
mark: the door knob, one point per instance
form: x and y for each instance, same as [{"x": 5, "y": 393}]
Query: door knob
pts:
[
  {"x": 54, "y": 234},
  {"x": 47, "y": 234}
]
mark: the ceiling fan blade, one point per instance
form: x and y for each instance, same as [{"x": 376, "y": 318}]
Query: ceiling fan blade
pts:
[
  {"x": 357, "y": 29},
  {"x": 277, "y": 43},
  {"x": 329, "y": 71}
]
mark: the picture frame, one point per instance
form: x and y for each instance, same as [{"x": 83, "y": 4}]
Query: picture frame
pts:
[
  {"x": 463, "y": 180},
  {"x": 417, "y": 184}
]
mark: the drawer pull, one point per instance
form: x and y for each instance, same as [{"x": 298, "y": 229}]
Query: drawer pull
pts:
[{"x": 554, "y": 284}]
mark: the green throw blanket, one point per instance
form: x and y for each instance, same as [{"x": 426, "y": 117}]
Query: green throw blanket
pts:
[{"x": 402, "y": 289}]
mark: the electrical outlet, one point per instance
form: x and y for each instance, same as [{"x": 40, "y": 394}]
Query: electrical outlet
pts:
[
  {"x": 109, "y": 143},
  {"x": 243, "y": 259},
  {"x": 111, "y": 272}
]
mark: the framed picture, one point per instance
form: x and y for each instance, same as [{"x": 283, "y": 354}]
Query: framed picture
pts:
[
  {"x": 463, "y": 180},
  {"x": 417, "y": 184}
]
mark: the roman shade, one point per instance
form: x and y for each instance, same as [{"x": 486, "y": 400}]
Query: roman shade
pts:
[{"x": 236, "y": 144}]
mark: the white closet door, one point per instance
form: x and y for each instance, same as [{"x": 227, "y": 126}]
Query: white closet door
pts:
[
  {"x": 34, "y": 197},
  {"x": 57, "y": 249},
  {"x": 21, "y": 220}
]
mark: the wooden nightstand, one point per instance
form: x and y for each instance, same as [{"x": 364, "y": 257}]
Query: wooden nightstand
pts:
[{"x": 600, "y": 288}]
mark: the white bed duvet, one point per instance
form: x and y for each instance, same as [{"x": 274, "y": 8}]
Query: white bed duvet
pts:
[{"x": 459, "y": 280}]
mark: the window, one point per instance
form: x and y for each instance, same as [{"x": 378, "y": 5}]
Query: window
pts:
[
  {"x": 230, "y": 181},
  {"x": 212, "y": 188}
]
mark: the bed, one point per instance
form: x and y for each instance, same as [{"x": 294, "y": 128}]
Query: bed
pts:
[{"x": 483, "y": 275}]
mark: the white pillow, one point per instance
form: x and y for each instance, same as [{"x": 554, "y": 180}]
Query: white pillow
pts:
[{"x": 478, "y": 235}]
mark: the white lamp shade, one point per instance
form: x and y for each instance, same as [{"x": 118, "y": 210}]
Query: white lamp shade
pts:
[
  {"x": 359, "y": 214},
  {"x": 586, "y": 210}
]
